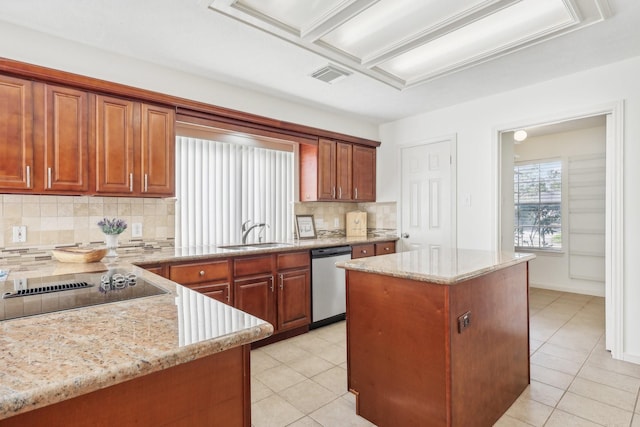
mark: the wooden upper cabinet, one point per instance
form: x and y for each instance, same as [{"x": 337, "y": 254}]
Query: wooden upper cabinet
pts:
[
  {"x": 364, "y": 174},
  {"x": 326, "y": 170},
  {"x": 134, "y": 145},
  {"x": 157, "y": 148},
  {"x": 335, "y": 181},
  {"x": 114, "y": 144},
  {"x": 344, "y": 171},
  {"x": 64, "y": 137},
  {"x": 16, "y": 134},
  {"x": 333, "y": 171}
]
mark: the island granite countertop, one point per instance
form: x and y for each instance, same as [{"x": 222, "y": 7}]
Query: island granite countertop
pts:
[{"x": 445, "y": 266}]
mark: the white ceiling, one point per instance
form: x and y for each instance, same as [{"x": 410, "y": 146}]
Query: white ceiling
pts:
[{"x": 188, "y": 35}]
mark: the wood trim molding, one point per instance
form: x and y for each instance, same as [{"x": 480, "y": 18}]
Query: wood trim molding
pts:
[{"x": 185, "y": 107}]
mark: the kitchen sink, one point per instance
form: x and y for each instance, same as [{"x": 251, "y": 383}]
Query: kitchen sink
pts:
[{"x": 264, "y": 245}]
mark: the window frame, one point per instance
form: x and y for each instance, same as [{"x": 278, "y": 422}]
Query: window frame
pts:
[{"x": 560, "y": 220}]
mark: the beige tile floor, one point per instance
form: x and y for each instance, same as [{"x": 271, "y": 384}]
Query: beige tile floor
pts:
[{"x": 574, "y": 382}]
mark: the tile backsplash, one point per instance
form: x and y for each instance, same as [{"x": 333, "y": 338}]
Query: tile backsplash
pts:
[
  {"x": 68, "y": 220},
  {"x": 61, "y": 220},
  {"x": 330, "y": 217}
]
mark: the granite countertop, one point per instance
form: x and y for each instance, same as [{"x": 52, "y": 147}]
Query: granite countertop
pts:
[
  {"x": 52, "y": 357},
  {"x": 203, "y": 252},
  {"x": 446, "y": 266}
]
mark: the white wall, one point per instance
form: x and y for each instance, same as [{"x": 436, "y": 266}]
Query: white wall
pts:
[
  {"x": 477, "y": 123},
  {"x": 552, "y": 270},
  {"x": 32, "y": 47}
]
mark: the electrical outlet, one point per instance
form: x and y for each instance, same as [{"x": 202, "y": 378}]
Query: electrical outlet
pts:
[
  {"x": 464, "y": 321},
  {"x": 19, "y": 284},
  {"x": 136, "y": 229},
  {"x": 19, "y": 234}
]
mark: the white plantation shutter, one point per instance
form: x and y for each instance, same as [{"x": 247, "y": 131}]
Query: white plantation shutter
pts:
[{"x": 219, "y": 185}]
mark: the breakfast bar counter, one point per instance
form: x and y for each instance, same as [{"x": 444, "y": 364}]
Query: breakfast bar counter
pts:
[
  {"x": 437, "y": 337},
  {"x": 178, "y": 357}
]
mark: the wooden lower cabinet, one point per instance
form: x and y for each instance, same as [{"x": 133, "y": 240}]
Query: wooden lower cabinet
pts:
[
  {"x": 293, "y": 299},
  {"x": 211, "y": 391},
  {"x": 278, "y": 289},
  {"x": 255, "y": 295},
  {"x": 274, "y": 287},
  {"x": 218, "y": 291}
]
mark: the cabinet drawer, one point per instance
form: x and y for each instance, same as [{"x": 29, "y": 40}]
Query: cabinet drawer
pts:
[
  {"x": 385, "y": 248},
  {"x": 199, "y": 272},
  {"x": 361, "y": 251},
  {"x": 252, "y": 265},
  {"x": 289, "y": 260}
]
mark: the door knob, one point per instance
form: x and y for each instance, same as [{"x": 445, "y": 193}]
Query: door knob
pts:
[{"x": 405, "y": 235}]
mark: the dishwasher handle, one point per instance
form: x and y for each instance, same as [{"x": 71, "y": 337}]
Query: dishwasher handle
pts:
[{"x": 330, "y": 252}]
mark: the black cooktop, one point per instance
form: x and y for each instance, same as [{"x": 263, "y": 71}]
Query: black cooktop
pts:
[{"x": 28, "y": 297}]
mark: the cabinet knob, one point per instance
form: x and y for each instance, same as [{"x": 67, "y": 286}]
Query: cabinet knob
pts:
[
  {"x": 387, "y": 248},
  {"x": 364, "y": 251},
  {"x": 201, "y": 273}
]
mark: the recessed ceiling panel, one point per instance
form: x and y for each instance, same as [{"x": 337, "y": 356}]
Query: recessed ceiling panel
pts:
[
  {"x": 503, "y": 30},
  {"x": 391, "y": 23},
  {"x": 406, "y": 42}
]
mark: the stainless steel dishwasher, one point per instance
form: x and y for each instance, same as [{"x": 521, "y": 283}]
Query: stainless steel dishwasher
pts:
[{"x": 328, "y": 287}]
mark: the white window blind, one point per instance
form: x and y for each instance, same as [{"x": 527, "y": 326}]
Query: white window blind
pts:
[{"x": 220, "y": 185}]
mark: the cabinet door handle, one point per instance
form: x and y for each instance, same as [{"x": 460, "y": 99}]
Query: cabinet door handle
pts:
[
  {"x": 49, "y": 178},
  {"x": 339, "y": 192},
  {"x": 333, "y": 193},
  {"x": 281, "y": 282},
  {"x": 131, "y": 182},
  {"x": 356, "y": 193},
  {"x": 201, "y": 273},
  {"x": 28, "y": 176},
  {"x": 146, "y": 182},
  {"x": 271, "y": 283}
]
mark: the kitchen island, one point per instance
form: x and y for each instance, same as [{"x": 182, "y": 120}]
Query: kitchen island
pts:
[
  {"x": 179, "y": 358},
  {"x": 437, "y": 337}
]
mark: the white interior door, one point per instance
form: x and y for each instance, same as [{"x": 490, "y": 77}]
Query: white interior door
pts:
[{"x": 428, "y": 196}]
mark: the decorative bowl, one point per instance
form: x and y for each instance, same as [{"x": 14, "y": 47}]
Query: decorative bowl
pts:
[{"x": 79, "y": 255}]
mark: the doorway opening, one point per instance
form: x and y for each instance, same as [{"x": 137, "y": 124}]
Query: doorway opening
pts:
[{"x": 588, "y": 232}]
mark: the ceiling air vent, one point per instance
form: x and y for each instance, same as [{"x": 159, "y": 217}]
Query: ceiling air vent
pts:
[{"x": 330, "y": 74}]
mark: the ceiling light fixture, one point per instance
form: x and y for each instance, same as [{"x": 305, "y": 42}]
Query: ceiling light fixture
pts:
[{"x": 520, "y": 135}]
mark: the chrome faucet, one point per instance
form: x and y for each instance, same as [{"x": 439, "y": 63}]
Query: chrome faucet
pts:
[{"x": 246, "y": 229}]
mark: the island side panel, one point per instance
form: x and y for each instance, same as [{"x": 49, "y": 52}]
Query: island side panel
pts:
[
  {"x": 397, "y": 350},
  {"x": 211, "y": 391},
  {"x": 490, "y": 357}
]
